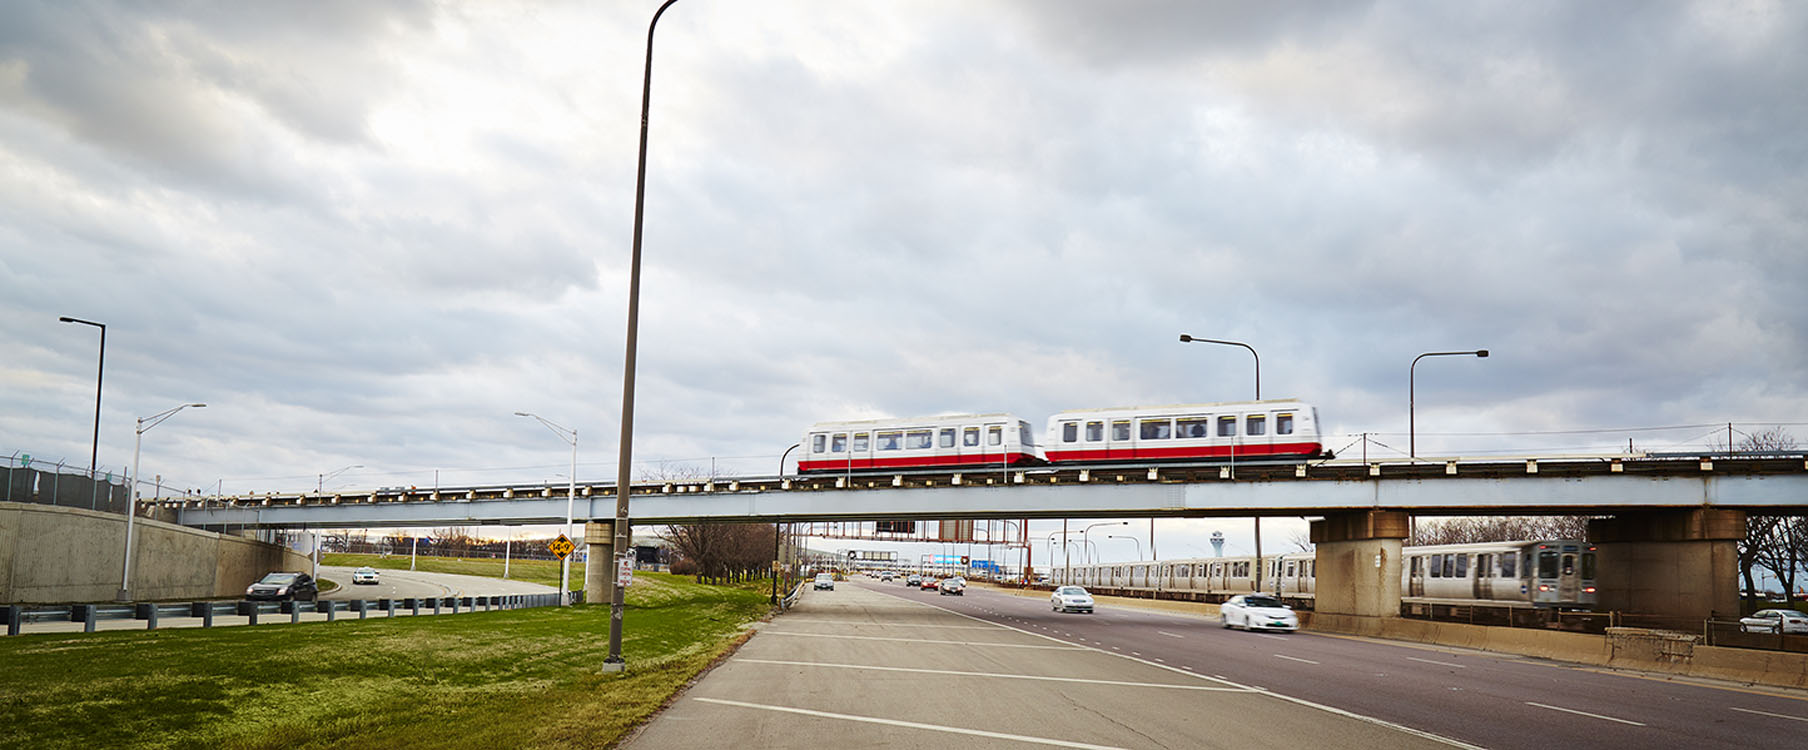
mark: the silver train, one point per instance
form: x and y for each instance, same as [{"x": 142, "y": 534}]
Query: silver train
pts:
[{"x": 1556, "y": 574}]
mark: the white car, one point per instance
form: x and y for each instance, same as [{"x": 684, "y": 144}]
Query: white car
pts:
[
  {"x": 1070, "y": 599},
  {"x": 1774, "y": 621},
  {"x": 1257, "y": 612},
  {"x": 956, "y": 586},
  {"x": 824, "y": 581},
  {"x": 364, "y": 575}
]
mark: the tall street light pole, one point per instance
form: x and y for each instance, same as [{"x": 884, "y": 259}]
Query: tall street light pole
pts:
[
  {"x": 1412, "y": 450},
  {"x": 614, "y": 661},
  {"x": 1185, "y": 339},
  {"x": 1088, "y": 530},
  {"x": 144, "y": 425},
  {"x": 99, "y": 371},
  {"x": 571, "y": 493}
]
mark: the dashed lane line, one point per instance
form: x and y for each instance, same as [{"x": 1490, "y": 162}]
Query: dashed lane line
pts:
[
  {"x": 1440, "y": 663},
  {"x": 1585, "y": 713},
  {"x": 997, "y": 675},
  {"x": 1767, "y": 713},
  {"x": 1168, "y": 634},
  {"x": 922, "y": 640},
  {"x": 1294, "y": 658},
  {"x": 910, "y": 724}
]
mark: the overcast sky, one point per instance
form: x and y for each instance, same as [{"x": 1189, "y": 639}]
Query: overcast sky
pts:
[{"x": 368, "y": 233}]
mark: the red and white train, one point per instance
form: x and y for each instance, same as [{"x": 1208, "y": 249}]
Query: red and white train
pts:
[{"x": 1227, "y": 431}]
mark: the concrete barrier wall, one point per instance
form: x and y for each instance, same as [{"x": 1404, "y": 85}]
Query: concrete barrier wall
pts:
[
  {"x": 53, "y": 555},
  {"x": 1624, "y": 648}
]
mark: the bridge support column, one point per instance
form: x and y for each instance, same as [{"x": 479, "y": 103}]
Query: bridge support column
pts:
[
  {"x": 1680, "y": 564},
  {"x": 1358, "y": 563},
  {"x": 599, "y": 572}
]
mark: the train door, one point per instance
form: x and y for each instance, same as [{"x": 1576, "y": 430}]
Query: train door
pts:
[
  {"x": 1569, "y": 586},
  {"x": 1482, "y": 584},
  {"x": 1415, "y": 585},
  {"x": 995, "y": 447},
  {"x": 1586, "y": 577},
  {"x": 1256, "y": 434},
  {"x": 1547, "y": 577},
  {"x": 1118, "y": 446}
]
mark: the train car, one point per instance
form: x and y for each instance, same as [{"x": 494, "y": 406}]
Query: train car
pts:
[
  {"x": 1543, "y": 573},
  {"x": 1228, "y": 431},
  {"x": 956, "y": 441}
]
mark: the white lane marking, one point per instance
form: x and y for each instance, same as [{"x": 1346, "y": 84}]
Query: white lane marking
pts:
[
  {"x": 1420, "y": 733},
  {"x": 1294, "y": 658},
  {"x": 1270, "y": 635},
  {"x": 1441, "y": 663},
  {"x": 898, "y": 624},
  {"x": 998, "y": 675},
  {"x": 911, "y": 725},
  {"x": 924, "y": 640},
  {"x": 1168, "y": 634},
  {"x": 1585, "y": 713},
  {"x": 1767, "y": 713}
]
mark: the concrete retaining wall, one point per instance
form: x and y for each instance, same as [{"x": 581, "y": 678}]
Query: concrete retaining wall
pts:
[
  {"x": 54, "y": 555},
  {"x": 1622, "y": 648}
]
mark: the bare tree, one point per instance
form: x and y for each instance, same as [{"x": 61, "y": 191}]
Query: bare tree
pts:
[
  {"x": 1775, "y": 543},
  {"x": 1476, "y": 529}
]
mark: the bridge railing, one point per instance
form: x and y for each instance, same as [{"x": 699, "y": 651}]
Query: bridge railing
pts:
[{"x": 156, "y": 615}]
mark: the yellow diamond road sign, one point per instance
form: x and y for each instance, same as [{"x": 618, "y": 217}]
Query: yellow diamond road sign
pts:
[{"x": 562, "y": 547}]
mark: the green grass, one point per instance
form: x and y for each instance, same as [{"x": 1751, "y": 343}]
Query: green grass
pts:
[
  {"x": 521, "y": 678},
  {"x": 544, "y": 572}
]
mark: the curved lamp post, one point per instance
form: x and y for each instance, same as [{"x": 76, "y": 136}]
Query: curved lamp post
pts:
[
  {"x": 1412, "y": 450},
  {"x": 1185, "y": 339},
  {"x": 144, "y": 425},
  {"x": 100, "y": 369},
  {"x": 614, "y": 661},
  {"x": 1088, "y": 529},
  {"x": 1139, "y": 544},
  {"x": 571, "y": 493}
]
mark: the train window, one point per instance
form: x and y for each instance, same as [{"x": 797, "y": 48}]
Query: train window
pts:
[
  {"x": 1184, "y": 571},
  {"x": 1095, "y": 431},
  {"x": 1120, "y": 429},
  {"x": 1414, "y": 566},
  {"x": 838, "y": 443},
  {"x": 947, "y": 437},
  {"x": 1193, "y": 427},
  {"x": 890, "y": 440},
  {"x": 860, "y": 442},
  {"x": 1070, "y": 432},
  {"x": 994, "y": 434},
  {"x": 1312, "y": 569},
  {"x": 1437, "y": 566},
  {"x": 819, "y": 443},
  {"x": 1507, "y": 566},
  {"x": 1227, "y": 427},
  {"x": 1156, "y": 429},
  {"x": 1255, "y": 424},
  {"x": 1569, "y": 565},
  {"x": 1025, "y": 437},
  {"x": 1289, "y": 568},
  {"x": 970, "y": 437},
  {"x": 1547, "y": 563},
  {"x": 1483, "y": 567},
  {"x": 1283, "y": 424},
  {"x": 1588, "y": 566},
  {"x": 1449, "y": 566},
  {"x": 917, "y": 439},
  {"x": 1462, "y": 566}
]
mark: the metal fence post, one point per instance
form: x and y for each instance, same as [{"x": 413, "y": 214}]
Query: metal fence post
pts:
[{"x": 15, "y": 615}]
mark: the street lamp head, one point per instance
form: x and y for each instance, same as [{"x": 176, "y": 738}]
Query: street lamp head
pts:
[
  {"x": 522, "y": 414},
  {"x": 1483, "y": 353},
  {"x": 66, "y": 319},
  {"x": 1185, "y": 338},
  {"x": 198, "y": 406}
]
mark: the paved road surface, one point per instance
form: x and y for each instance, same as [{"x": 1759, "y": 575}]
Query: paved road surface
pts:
[{"x": 870, "y": 667}]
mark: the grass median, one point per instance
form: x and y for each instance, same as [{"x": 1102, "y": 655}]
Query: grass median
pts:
[
  {"x": 520, "y": 678},
  {"x": 543, "y": 572}
]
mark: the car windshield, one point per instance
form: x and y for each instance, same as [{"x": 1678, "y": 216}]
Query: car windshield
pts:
[
  {"x": 278, "y": 578},
  {"x": 823, "y": 577},
  {"x": 1261, "y": 601},
  {"x": 367, "y": 570},
  {"x": 1072, "y": 591}
]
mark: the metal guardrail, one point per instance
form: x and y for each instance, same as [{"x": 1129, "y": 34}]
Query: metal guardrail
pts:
[
  {"x": 791, "y": 598},
  {"x": 17, "y": 616}
]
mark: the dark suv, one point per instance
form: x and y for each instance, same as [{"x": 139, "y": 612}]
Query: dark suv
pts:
[{"x": 281, "y": 586}]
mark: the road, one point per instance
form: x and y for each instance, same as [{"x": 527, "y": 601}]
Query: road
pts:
[
  {"x": 401, "y": 584},
  {"x": 1119, "y": 667}
]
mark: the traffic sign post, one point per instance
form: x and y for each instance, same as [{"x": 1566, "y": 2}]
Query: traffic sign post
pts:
[
  {"x": 562, "y": 547},
  {"x": 624, "y": 571}
]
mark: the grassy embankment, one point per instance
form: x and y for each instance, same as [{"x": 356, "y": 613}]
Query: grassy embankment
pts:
[{"x": 520, "y": 678}]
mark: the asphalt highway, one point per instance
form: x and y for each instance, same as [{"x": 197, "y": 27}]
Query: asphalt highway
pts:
[
  {"x": 401, "y": 584},
  {"x": 881, "y": 666},
  {"x": 1489, "y": 700}
]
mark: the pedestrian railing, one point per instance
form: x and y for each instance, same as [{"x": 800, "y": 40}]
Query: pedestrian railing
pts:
[{"x": 155, "y": 614}]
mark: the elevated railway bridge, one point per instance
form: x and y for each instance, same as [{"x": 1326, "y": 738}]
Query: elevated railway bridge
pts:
[{"x": 1667, "y": 535}]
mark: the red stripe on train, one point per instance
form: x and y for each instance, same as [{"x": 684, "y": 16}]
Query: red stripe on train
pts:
[
  {"x": 1199, "y": 451},
  {"x": 860, "y": 464}
]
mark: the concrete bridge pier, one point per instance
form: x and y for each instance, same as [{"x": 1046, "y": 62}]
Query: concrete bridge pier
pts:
[
  {"x": 599, "y": 573},
  {"x": 1682, "y": 564},
  {"x": 1359, "y": 563}
]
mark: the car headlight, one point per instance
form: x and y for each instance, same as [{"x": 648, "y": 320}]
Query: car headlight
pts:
[{"x": 283, "y": 590}]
